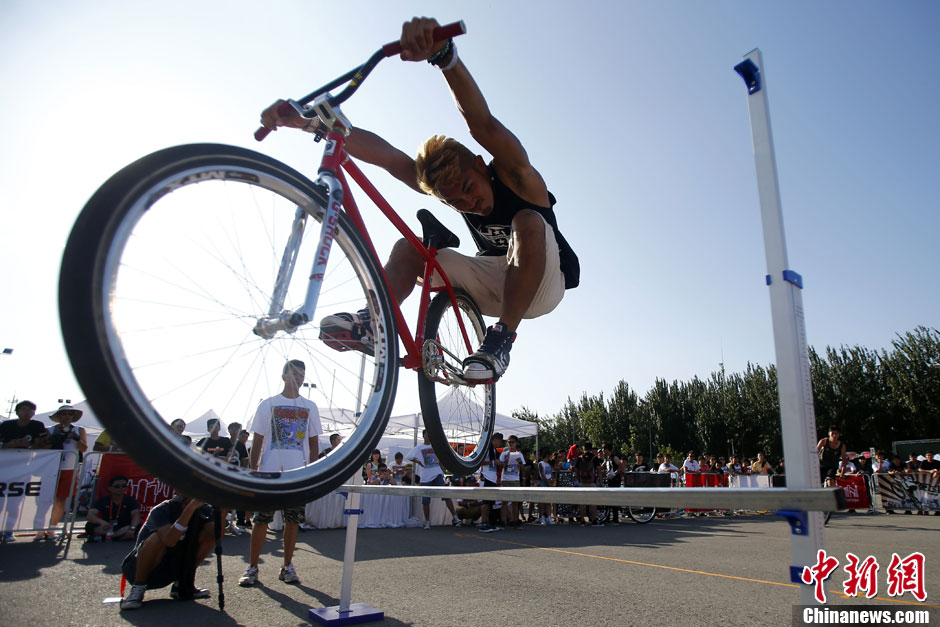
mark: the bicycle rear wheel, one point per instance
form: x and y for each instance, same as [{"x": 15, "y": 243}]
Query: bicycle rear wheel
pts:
[
  {"x": 167, "y": 270},
  {"x": 455, "y": 413}
]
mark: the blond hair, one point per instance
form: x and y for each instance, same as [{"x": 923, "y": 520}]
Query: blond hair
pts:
[{"x": 441, "y": 161}]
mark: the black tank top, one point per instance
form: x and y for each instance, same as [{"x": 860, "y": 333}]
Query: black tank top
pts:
[
  {"x": 830, "y": 457},
  {"x": 492, "y": 233}
]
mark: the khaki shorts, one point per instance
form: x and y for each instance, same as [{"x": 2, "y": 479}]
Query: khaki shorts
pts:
[
  {"x": 291, "y": 515},
  {"x": 484, "y": 278}
]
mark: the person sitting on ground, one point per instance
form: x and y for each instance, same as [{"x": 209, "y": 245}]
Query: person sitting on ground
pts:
[
  {"x": 469, "y": 509},
  {"x": 214, "y": 444},
  {"x": 104, "y": 443},
  {"x": 117, "y": 514},
  {"x": 431, "y": 475},
  {"x": 23, "y": 431},
  {"x": 177, "y": 537},
  {"x": 179, "y": 425}
]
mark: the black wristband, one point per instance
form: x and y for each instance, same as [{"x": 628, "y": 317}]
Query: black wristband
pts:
[{"x": 438, "y": 57}]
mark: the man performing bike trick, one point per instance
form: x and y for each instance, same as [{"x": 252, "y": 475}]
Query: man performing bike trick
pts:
[{"x": 523, "y": 265}]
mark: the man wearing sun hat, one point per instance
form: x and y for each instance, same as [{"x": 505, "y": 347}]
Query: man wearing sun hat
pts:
[{"x": 73, "y": 440}]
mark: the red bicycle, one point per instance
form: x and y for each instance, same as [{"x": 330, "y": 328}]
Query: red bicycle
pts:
[{"x": 181, "y": 293}]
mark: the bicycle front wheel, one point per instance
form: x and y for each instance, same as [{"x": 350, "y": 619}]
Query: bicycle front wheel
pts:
[
  {"x": 169, "y": 268},
  {"x": 641, "y": 515},
  {"x": 460, "y": 418}
]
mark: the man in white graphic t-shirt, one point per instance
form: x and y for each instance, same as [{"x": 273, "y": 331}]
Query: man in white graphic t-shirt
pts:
[
  {"x": 285, "y": 430},
  {"x": 513, "y": 462},
  {"x": 431, "y": 475}
]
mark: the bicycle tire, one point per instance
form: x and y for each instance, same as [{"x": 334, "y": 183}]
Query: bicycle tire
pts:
[
  {"x": 157, "y": 312},
  {"x": 470, "y": 411},
  {"x": 641, "y": 515}
]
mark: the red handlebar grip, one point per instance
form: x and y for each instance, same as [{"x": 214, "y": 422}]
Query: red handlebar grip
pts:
[
  {"x": 283, "y": 109},
  {"x": 261, "y": 133},
  {"x": 440, "y": 34}
]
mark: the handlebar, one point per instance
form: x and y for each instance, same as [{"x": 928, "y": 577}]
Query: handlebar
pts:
[{"x": 357, "y": 75}]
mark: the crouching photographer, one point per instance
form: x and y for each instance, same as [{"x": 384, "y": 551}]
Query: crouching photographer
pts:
[{"x": 178, "y": 535}]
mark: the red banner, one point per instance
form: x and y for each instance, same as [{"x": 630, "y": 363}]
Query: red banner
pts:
[
  {"x": 856, "y": 497},
  {"x": 145, "y": 489}
]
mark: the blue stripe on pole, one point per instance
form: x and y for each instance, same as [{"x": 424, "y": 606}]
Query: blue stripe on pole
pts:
[{"x": 792, "y": 277}]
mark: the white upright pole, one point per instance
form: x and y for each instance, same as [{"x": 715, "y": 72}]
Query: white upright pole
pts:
[{"x": 798, "y": 420}]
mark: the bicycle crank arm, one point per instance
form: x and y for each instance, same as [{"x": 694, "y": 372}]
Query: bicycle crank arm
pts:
[{"x": 438, "y": 365}]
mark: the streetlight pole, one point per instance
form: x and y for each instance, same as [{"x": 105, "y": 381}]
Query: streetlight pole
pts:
[
  {"x": 309, "y": 386},
  {"x": 9, "y": 351}
]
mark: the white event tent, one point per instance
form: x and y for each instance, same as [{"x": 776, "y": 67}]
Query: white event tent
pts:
[{"x": 401, "y": 433}]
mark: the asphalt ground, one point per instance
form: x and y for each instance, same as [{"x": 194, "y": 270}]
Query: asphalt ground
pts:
[{"x": 677, "y": 571}]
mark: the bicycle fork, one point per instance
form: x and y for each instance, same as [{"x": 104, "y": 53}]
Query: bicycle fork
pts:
[{"x": 277, "y": 319}]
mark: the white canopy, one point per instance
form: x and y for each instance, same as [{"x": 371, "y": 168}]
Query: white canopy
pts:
[{"x": 199, "y": 427}]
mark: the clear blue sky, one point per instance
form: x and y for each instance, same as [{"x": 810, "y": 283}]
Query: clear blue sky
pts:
[{"x": 630, "y": 110}]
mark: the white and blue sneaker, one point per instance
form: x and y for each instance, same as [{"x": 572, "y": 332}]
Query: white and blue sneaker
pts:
[{"x": 490, "y": 361}]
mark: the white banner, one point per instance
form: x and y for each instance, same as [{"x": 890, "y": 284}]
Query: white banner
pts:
[
  {"x": 27, "y": 488},
  {"x": 750, "y": 481}
]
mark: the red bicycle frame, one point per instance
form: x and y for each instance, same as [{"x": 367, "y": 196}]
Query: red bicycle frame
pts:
[{"x": 334, "y": 161}]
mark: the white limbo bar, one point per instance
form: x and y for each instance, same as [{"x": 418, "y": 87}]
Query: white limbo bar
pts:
[
  {"x": 815, "y": 499},
  {"x": 794, "y": 386}
]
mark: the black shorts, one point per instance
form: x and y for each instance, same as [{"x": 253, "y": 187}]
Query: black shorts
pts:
[
  {"x": 827, "y": 472},
  {"x": 165, "y": 573},
  {"x": 489, "y": 484}
]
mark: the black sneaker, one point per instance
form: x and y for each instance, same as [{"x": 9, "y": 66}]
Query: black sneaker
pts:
[
  {"x": 490, "y": 361},
  {"x": 195, "y": 593},
  {"x": 349, "y": 332}
]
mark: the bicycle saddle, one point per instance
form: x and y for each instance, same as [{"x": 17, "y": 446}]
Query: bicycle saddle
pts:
[{"x": 434, "y": 233}]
